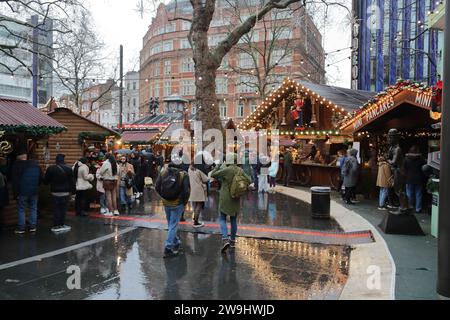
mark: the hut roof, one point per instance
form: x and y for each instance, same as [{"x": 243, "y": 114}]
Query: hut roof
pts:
[{"x": 15, "y": 114}]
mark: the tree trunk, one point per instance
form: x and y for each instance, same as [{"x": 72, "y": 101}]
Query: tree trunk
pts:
[{"x": 208, "y": 109}]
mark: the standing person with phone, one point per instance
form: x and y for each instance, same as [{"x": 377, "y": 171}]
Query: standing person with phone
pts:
[{"x": 109, "y": 174}]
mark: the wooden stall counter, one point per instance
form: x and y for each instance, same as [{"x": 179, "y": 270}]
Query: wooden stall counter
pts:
[{"x": 308, "y": 174}]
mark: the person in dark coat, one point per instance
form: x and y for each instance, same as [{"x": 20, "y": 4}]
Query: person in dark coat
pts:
[
  {"x": 350, "y": 173},
  {"x": 415, "y": 178},
  {"x": 60, "y": 178},
  {"x": 26, "y": 178}
]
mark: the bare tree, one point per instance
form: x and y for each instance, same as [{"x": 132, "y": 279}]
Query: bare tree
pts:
[
  {"x": 265, "y": 53},
  {"x": 17, "y": 29},
  {"x": 208, "y": 60},
  {"x": 79, "y": 60}
]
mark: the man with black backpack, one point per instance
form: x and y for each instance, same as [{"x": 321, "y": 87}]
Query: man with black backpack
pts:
[
  {"x": 174, "y": 188},
  {"x": 60, "y": 179}
]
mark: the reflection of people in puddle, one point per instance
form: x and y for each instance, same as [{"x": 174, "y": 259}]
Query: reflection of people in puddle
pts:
[
  {"x": 228, "y": 287},
  {"x": 175, "y": 270},
  {"x": 272, "y": 212}
]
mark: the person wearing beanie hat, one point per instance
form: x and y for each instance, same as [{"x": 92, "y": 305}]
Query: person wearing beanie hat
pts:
[{"x": 60, "y": 178}]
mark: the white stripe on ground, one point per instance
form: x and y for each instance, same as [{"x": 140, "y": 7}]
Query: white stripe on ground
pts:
[{"x": 65, "y": 250}]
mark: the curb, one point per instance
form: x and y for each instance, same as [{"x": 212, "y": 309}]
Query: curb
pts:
[{"x": 363, "y": 257}]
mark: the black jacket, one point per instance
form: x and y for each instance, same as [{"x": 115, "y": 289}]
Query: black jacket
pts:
[
  {"x": 26, "y": 178},
  {"x": 60, "y": 178},
  {"x": 413, "y": 168}
]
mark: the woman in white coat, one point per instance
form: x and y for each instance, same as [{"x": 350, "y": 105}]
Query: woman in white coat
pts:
[
  {"x": 198, "y": 196},
  {"x": 82, "y": 184}
]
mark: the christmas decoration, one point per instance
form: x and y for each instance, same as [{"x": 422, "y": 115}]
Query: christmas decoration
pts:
[
  {"x": 83, "y": 136},
  {"x": 31, "y": 131},
  {"x": 297, "y": 112}
]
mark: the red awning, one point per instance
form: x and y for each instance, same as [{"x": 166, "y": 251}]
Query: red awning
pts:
[
  {"x": 15, "y": 113},
  {"x": 139, "y": 136}
]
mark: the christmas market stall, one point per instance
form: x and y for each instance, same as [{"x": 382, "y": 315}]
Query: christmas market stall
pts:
[
  {"x": 411, "y": 108},
  {"x": 83, "y": 138},
  {"x": 307, "y": 117},
  {"x": 23, "y": 128}
]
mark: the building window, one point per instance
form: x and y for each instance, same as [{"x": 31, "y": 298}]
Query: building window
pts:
[
  {"x": 167, "y": 67},
  {"x": 253, "y": 108},
  {"x": 187, "y": 87},
  {"x": 171, "y": 27},
  {"x": 245, "y": 61},
  {"x": 157, "y": 48},
  {"x": 247, "y": 84},
  {"x": 185, "y": 44},
  {"x": 167, "y": 88},
  {"x": 134, "y": 102},
  {"x": 156, "y": 69},
  {"x": 156, "y": 90},
  {"x": 221, "y": 85},
  {"x": 223, "y": 109},
  {"x": 187, "y": 65},
  {"x": 281, "y": 57},
  {"x": 240, "y": 111},
  {"x": 186, "y": 25},
  {"x": 225, "y": 62},
  {"x": 168, "y": 45},
  {"x": 134, "y": 85},
  {"x": 128, "y": 103}
]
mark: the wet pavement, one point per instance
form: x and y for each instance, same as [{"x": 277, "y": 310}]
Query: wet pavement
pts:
[
  {"x": 124, "y": 261},
  {"x": 256, "y": 209},
  {"x": 131, "y": 266}
]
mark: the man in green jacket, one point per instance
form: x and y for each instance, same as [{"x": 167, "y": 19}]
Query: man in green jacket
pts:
[{"x": 228, "y": 206}]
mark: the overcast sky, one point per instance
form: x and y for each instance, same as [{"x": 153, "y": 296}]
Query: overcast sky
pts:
[{"x": 119, "y": 22}]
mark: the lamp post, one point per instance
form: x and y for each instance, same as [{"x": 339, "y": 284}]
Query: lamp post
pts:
[{"x": 443, "y": 285}]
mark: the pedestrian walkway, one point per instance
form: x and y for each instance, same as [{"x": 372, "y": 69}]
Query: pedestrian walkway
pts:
[
  {"x": 415, "y": 257},
  {"x": 128, "y": 264}
]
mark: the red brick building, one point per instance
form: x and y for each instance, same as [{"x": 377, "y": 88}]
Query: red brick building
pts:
[{"x": 167, "y": 68}]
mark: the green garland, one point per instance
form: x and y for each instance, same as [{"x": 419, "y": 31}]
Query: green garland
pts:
[
  {"x": 94, "y": 136},
  {"x": 35, "y": 131}
]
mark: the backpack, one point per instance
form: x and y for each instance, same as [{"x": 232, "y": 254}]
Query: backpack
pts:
[
  {"x": 170, "y": 185},
  {"x": 240, "y": 184}
]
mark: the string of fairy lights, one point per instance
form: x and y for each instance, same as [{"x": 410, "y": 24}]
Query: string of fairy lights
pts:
[
  {"x": 385, "y": 97},
  {"x": 276, "y": 97}
]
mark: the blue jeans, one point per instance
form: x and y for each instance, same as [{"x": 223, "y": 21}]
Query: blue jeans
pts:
[
  {"x": 224, "y": 228},
  {"x": 124, "y": 199},
  {"x": 102, "y": 201},
  {"x": 30, "y": 202},
  {"x": 384, "y": 192},
  {"x": 415, "y": 191},
  {"x": 173, "y": 216}
]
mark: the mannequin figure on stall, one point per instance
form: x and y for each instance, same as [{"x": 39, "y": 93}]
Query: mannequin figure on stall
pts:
[
  {"x": 396, "y": 161},
  {"x": 297, "y": 112}
]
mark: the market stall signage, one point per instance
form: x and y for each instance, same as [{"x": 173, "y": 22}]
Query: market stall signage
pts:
[
  {"x": 379, "y": 110},
  {"x": 5, "y": 146}
]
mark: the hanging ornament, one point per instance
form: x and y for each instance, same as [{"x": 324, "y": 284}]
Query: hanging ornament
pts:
[{"x": 297, "y": 112}]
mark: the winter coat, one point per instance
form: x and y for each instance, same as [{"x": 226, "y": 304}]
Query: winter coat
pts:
[
  {"x": 197, "y": 180},
  {"x": 26, "y": 178},
  {"x": 84, "y": 177},
  {"x": 225, "y": 174},
  {"x": 4, "y": 195},
  {"x": 106, "y": 171},
  {"x": 287, "y": 156},
  {"x": 60, "y": 179},
  {"x": 123, "y": 169},
  {"x": 413, "y": 168},
  {"x": 184, "y": 195},
  {"x": 99, "y": 185},
  {"x": 384, "y": 175},
  {"x": 350, "y": 172}
]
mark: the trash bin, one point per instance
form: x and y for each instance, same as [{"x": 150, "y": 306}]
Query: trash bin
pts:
[{"x": 320, "y": 202}]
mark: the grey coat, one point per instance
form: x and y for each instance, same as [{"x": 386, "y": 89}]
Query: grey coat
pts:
[{"x": 350, "y": 172}]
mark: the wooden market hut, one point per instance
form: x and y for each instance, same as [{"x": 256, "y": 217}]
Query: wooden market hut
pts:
[
  {"x": 322, "y": 109},
  {"x": 22, "y": 127},
  {"x": 75, "y": 143}
]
